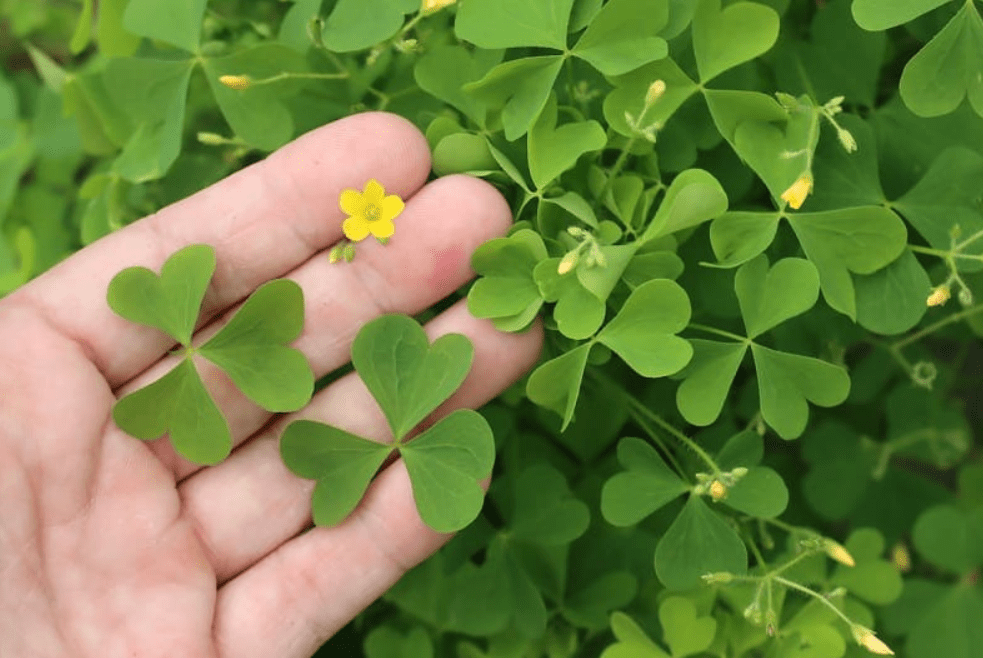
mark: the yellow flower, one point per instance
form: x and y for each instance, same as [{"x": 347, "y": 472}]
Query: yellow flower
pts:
[
  {"x": 237, "y": 82},
  {"x": 796, "y": 195},
  {"x": 718, "y": 491},
  {"x": 430, "y": 6},
  {"x": 939, "y": 296},
  {"x": 370, "y": 210},
  {"x": 866, "y": 638}
]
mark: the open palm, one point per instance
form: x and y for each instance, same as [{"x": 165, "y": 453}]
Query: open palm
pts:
[{"x": 114, "y": 547}]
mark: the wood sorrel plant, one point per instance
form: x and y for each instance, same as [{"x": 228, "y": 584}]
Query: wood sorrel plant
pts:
[{"x": 693, "y": 181}]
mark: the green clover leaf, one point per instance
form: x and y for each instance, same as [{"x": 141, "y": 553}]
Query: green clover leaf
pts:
[
  {"x": 628, "y": 95},
  {"x": 250, "y": 348},
  {"x": 785, "y": 381},
  {"x": 360, "y": 24},
  {"x": 873, "y": 578},
  {"x": 647, "y": 485},
  {"x": 407, "y": 375},
  {"x": 684, "y": 631},
  {"x": 698, "y": 542},
  {"x": 507, "y": 291},
  {"x": 940, "y": 201},
  {"x": 554, "y": 150},
  {"x": 769, "y": 297},
  {"x": 722, "y": 39},
  {"x": 632, "y": 641},
  {"x": 883, "y": 14},
  {"x": 409, "y": 378},
  {"x": 622, "y": 36},
  {"x": 693, "y": 197},
  {"x": 643, "y": 331},
  {"x": 177, "y": 404},
  {"x": 443, "y": 71},
  {"x": 950, "y": 538},
  {"x": 171, "y": 301},
  {"x": 177, "y": 23},
  {"x": 948, "y": 69}
]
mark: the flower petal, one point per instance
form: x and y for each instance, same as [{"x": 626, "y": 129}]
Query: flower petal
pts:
[
  {"x": 352, "y": 202},
  {"x": 356, "y": 228},
  {"x": 374, "y": 192},
  {"x": 382, "y": 228},
  {"x": 391, "y": 206}
]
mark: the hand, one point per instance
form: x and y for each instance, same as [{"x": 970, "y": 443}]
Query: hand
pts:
[{"x": 110, "y": 546}]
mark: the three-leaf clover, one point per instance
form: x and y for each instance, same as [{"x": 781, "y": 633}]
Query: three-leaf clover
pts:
[
  {"x": 622, "y": 36},
  {"x": 251, "y": 348},
  {"x": 409, "y": 378},
  {"x": 767, "y": 297}
]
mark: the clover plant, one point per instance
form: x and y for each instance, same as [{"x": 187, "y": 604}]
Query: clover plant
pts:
[{"x": 751, "y": 230}]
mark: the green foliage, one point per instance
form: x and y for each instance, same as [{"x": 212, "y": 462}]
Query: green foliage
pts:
[
  {"x": 692, "y": 181},
  {"x": 409, "y": 378},
  {"x": 251, "y": 348}
]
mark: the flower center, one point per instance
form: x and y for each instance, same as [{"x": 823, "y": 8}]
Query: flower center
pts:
[{"x": 372, "y": 212}]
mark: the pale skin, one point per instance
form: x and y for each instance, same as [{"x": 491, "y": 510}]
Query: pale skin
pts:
[{"x": 110, "y": 546}]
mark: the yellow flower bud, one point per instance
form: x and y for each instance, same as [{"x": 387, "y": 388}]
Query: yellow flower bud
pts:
[
  {"x": 237, "y": 82},
  {"x": 866, "y": 638},
  {"x": 655, "y": 92},
  {"x": 796, "y": 194},
  {"x": 568, "y": 262},
  {"x": 940, "y": 295},
  {"x": 837, "y": 552},
  {"x": 430, "y": 6},
  {"x": 718, "y": 491},
  {"x": 901, "y": 558}
]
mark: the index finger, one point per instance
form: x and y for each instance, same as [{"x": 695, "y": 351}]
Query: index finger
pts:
[{"x": 262, "y": 221}]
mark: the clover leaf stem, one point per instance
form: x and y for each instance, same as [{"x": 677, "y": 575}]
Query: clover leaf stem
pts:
[
  {"x": 719, "y": 332},
  {"x": 935, "y": 326},
  {"x": 619, "y": 164},
  {"x": 685, "y": 440},
  {"x": 791, "y": 584}
]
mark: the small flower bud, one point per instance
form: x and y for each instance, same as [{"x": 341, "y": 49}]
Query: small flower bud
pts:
[
  {"x": 431, "y": 6},
  {"x": 237, "y": 82},
  {"x": 655, "y": 92},
  {"x": 837, "y": 552},
  {"x": 965, "y": 296},
  {"x": 866, "y": 638},
  {"x": 796, "y": 194},
  {"x": 212, "y": 139},
  {"x": 718, "y": 578},
  {"x": 718, "y": 491},
  {"x": 753, "y": 612},
  {"x": 568, "y": 262},
  {"x": 940, "y": 295},
  {"x": 901, "y": 558},
  {"x": 847, "y": 140},
  {"x": 348, "y": 252},
  {"x": 335, "y": 255},
  {"x": 577, "y": 232}
]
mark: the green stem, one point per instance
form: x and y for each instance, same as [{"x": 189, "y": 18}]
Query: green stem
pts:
[
  {"x": 816, "y": 595},
  {"x": 720, "y": 332},
  {"x": 682, "y": 438},
  {"x": 298, "y": 76},
  {"x": 616, "y": 169},
  {"x": 935, "y": 326}
]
